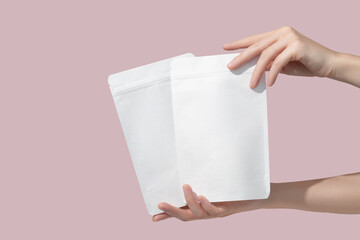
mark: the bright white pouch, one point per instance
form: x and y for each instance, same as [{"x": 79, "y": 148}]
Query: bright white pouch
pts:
[
  {"x": 220, "y": 128},
  {"x": 142, "y": 98}
]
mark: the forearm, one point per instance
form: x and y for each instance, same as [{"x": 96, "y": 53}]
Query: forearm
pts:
[
  {"x": 346, "y": 68},
  {"x": 340, "y": 194}
]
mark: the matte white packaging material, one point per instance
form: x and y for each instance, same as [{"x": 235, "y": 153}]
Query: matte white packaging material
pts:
[
  {"x": 221, "y": 128},
  {"x": 142, "y": 98}
]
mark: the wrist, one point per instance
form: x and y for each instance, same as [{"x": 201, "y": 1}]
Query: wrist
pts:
[
  {"x": 336, "y": 61},
  {"x": 345, "y": 68},
  {"x": 285, "y": 195}
]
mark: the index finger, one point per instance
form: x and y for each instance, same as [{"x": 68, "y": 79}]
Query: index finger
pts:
[{"x": 246, "y": 42}]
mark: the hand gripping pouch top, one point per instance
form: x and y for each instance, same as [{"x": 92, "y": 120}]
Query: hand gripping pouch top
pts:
[
  {"x": 220, "y": 128},
  {"x": 142, "y": 98}
]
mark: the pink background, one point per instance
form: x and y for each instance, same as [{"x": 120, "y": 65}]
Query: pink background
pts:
[{"x": 65, "y": 169}]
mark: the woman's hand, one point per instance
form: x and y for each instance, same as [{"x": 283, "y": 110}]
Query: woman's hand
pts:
[
  {"x": 339, "y": 194},
  {"x": 283, "y": 50},
  {"x": 200, "y": 208}
]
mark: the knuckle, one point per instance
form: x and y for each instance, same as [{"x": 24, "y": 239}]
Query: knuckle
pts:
[
  {"x": 276, "y": 63},
  {"x": 256, "y": 44},
  {"x": 297, "y": 43},
  {"x": 253, "y": 48},
  {"x": 266, "y": 54},
  {"x": 288, "y": 33},
  {"x": 287, "y": 29}
]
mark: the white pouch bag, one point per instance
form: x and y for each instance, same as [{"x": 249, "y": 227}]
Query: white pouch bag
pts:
[
  {"x": 142, "y": 98},
  {"x": 220, "y": 128}
]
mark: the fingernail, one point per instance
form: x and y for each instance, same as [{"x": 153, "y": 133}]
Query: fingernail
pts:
[
  {"x": 187, "y": 188},
  {"x": 251, "y": 84},
  {"x": 231, "y": 64}
]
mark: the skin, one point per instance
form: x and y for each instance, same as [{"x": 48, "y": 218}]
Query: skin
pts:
[
  {"x": 340, "y": 194},
  {"x": 285, "y": 51}
]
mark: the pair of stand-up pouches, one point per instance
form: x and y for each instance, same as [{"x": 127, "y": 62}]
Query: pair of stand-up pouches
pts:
[{"x": 191, "y": 120}]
